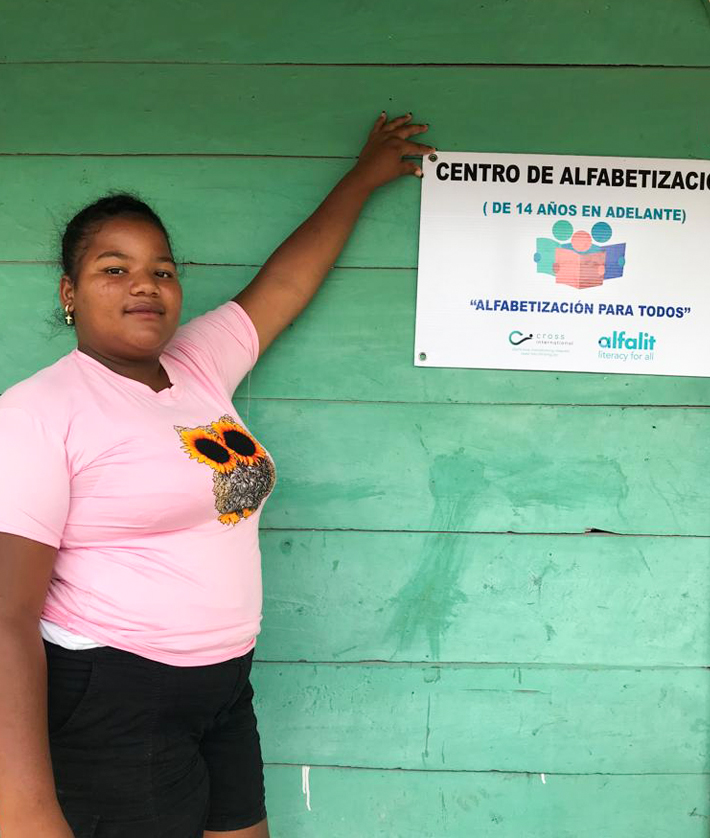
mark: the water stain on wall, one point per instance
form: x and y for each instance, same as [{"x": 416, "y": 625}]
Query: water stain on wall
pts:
[{"x": 426, "y": 604}]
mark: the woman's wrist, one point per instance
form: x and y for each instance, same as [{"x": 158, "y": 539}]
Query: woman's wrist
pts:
[{"x": 356, "y": 183}]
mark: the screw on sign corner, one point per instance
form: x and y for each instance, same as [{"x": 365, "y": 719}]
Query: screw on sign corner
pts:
[
  {"x": 433, "y": 158},
  {"x": 422, "y": 356}
]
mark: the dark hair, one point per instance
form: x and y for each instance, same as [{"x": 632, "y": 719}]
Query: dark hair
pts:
[{"x": 75, "y": 241}]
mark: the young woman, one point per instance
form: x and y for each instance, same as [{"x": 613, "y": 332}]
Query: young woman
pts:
[{"x": 130, "y": 495}]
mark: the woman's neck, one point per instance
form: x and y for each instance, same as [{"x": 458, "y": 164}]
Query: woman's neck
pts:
[{"x": 148, "y": 371}]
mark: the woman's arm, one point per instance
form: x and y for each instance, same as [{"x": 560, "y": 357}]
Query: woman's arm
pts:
[
  {"x": 295, "y": 271},
  {"x": 28, "y": 801}
]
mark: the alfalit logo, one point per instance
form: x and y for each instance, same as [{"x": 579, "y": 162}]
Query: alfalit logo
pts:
[{"x": 641, "y": 342}]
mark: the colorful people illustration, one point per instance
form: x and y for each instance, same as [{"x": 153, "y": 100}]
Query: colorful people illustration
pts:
[{"x": 578, "y": 262}]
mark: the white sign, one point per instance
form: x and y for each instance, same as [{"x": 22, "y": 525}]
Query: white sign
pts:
[{"x": 540, "y": 262}]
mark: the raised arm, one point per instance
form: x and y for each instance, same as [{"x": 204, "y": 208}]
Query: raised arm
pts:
[
  {"x": 28, "y": 802},
  {"x": 294, "y": 272}
]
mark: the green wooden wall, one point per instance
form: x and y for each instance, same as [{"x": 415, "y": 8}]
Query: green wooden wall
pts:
[{"x": 487, "y": 592}]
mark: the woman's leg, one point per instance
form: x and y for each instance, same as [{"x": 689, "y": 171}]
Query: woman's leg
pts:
[{"x": 232, "y": 752}]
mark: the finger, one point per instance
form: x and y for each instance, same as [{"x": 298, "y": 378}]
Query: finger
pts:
[
  {"x": 379, "y": 122},
  {"x": 416, "y": 149},
  {"x": 406, "y": 131},
  {"x": 395, "y": 123},
  {"x": 409, "y": 167}
]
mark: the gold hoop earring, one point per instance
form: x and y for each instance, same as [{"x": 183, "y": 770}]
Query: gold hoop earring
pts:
[{"x": 68, "y": 316}]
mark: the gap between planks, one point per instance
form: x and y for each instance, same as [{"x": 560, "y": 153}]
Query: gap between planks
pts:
[
  {"x": 242, "y": 155},
  {"x": 591, "y": 532},
  {"x": 129, "y": 154},
  {"x": 482, "y": 404},
  {"x": 56, "y": 264},
  {"x": 565, "y": 667},
  {"x": 493, "y": 771},
  {"x": 434, "y": 65}
]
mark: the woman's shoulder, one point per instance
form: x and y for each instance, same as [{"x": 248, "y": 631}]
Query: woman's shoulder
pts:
[{"x": 45, "y": 394}]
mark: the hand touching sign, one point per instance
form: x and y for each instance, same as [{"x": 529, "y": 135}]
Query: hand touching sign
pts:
[{"x": 381, "y": 159}]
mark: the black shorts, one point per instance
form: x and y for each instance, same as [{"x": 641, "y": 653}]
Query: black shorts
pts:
[{"x": 145, "y": 750}]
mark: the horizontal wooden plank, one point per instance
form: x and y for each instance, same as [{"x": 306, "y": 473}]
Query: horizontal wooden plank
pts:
[
  {"x": 356, "y": 342},
  {"x": 234, "y": 211},
  {"x": 486, "y": 468},
  {"x": 322, "y": 356},
  {"x": 219, "y": 210},
  {"x": 481, "y": 719},
  {"x": 31, "y": 338},
  {"x": 354, "y": 803},
  {"x": 157, "y": 109},
  {"x": 489, "y": 598},
  {"x": 517, "y": 31}
]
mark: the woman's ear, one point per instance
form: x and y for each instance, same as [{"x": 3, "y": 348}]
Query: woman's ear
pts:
[{"x": 66, "y": 291}]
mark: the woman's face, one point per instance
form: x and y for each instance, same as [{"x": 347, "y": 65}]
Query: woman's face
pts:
[{"x": 127, "y": 297}]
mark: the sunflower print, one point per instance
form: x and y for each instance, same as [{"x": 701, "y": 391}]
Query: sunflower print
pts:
[{"x": 244, "y": 474}]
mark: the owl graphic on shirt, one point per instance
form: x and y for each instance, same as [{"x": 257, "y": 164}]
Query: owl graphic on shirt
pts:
[{"x": 244, "y": 473}]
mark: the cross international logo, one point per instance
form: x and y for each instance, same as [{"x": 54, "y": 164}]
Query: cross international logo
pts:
[
  {"x": 516, "y": 337},
  {"x": 579, "y": 259},
  {"x": 550, "y": 344}
]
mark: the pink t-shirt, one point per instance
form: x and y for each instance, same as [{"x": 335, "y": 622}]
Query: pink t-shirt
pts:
[{"x": 152, "y": 499}]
